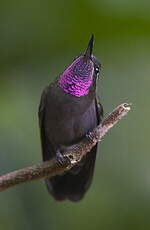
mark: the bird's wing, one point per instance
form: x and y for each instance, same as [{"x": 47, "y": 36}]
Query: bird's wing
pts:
[
  {"x": 99, "y": 110},
  {"x": 47, "y": 148}
]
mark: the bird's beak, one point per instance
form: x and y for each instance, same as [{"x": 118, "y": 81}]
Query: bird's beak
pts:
[{"x": 89, "y": 49}]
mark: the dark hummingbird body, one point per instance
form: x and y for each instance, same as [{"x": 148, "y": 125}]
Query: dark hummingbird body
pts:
[{"x": 68, "y": 112}]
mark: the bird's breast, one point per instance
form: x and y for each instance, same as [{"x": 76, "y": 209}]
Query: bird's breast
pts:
[{"x": 68, "y": 119}]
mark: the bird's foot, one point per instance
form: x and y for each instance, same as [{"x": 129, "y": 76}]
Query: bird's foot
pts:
[
  {"x": 60, "y": 157},
  {"x": 89, "y": 136}
]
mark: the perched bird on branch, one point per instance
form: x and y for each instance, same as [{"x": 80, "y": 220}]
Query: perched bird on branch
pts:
[{"x": 68, "y": 111}]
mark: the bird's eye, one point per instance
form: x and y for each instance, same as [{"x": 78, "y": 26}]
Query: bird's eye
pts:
[{"x": 97, "y": 70}]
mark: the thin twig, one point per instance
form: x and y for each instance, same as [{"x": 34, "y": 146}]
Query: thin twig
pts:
[{"x": 72, "y": 155}]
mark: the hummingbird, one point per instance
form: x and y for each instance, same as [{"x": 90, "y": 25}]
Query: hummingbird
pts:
[{"x": 69, "y": 110}]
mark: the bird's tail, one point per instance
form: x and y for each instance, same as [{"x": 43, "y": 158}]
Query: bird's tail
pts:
[{"x": 73, "y": 184}]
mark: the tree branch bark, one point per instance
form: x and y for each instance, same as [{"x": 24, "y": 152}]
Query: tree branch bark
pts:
[{"x": 72, "y": 155}]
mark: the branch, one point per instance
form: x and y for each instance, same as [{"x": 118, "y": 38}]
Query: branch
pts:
[{"x": 72, "y": 155}]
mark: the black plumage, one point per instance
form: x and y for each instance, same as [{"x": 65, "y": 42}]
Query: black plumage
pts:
[{"x": 64, "y": 120}]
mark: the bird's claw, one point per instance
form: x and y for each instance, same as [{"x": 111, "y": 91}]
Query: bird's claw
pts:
[
  {"x": 60, "y": 158},
  {"x": 89, "y": 136}
]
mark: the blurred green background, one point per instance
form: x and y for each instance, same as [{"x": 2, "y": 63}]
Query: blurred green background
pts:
[{"x": 38, "y": 39}]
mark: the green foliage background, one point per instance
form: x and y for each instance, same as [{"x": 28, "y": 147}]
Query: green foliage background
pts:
[{"x": 38, "y": 39}]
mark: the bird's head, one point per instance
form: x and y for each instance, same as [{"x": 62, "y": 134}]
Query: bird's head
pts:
[{"x": 78, "y": 78}]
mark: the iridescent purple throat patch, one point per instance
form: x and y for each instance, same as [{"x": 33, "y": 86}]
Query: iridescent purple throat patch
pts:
[{"x": 77, "y": 78}]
